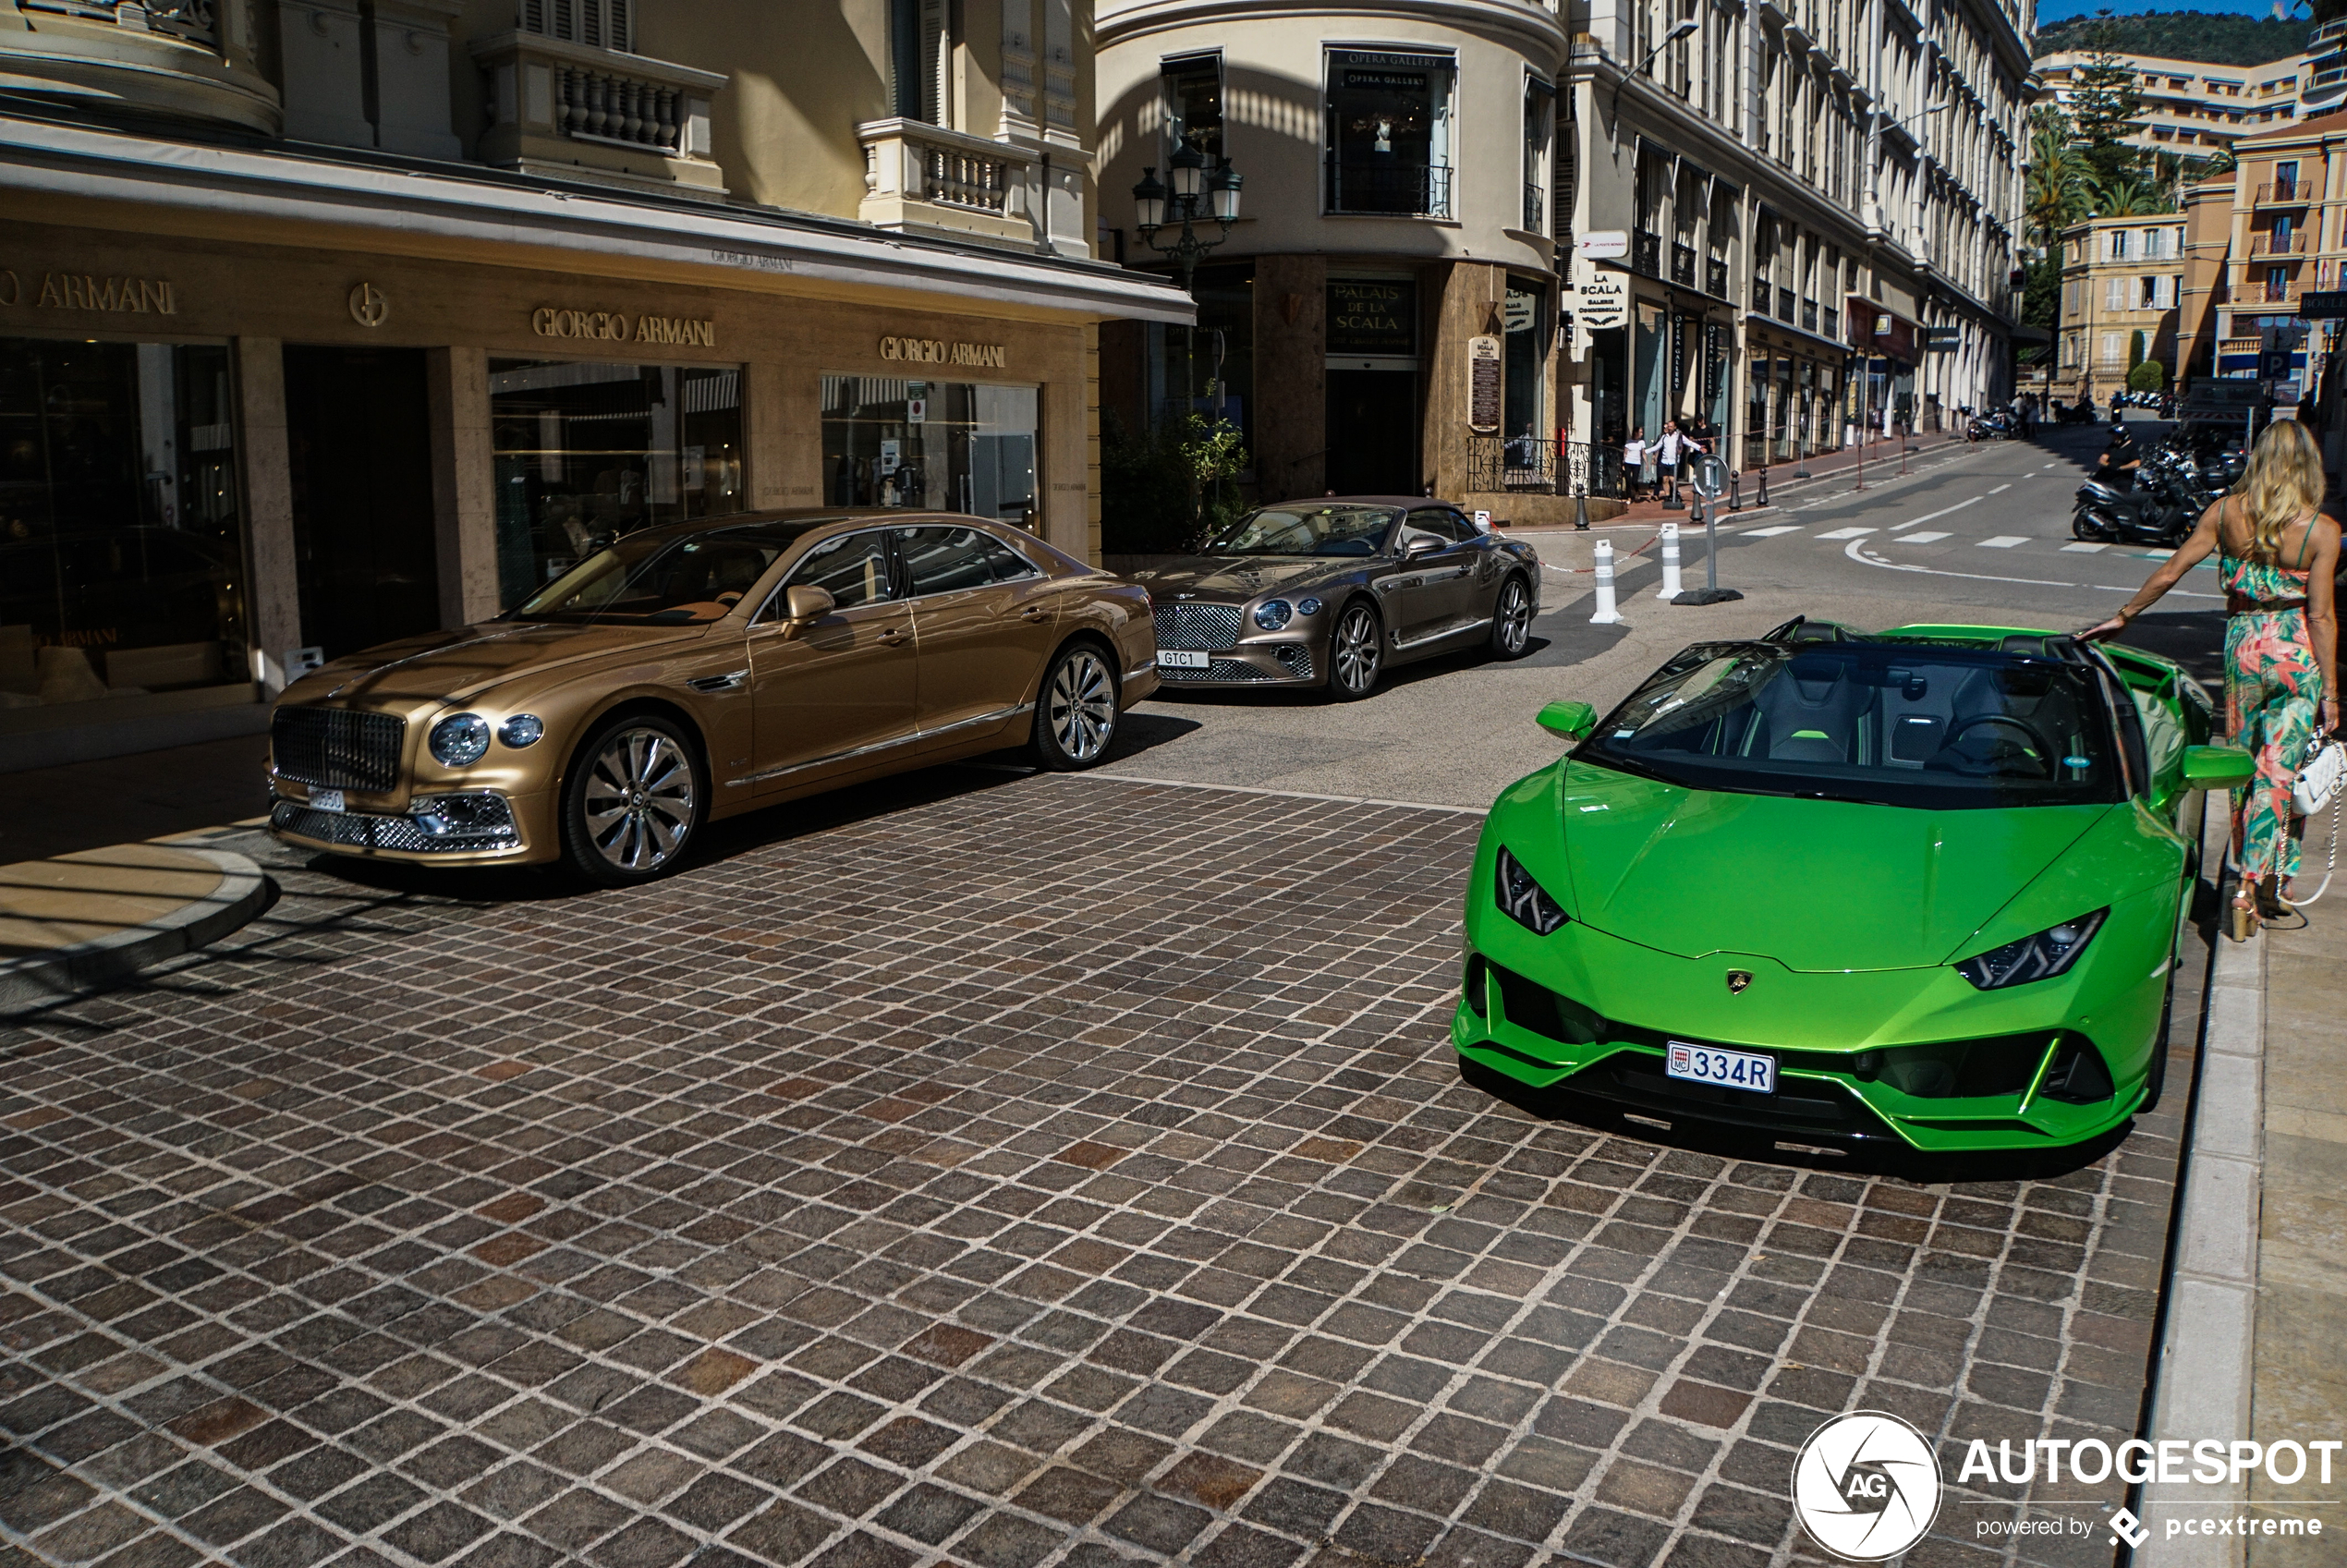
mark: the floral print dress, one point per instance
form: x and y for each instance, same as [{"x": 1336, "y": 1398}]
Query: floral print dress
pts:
[{"x": 2273, "y": 696}]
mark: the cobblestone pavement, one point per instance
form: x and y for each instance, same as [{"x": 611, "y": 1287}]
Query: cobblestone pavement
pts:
[{"x": 989, "y": 1170}]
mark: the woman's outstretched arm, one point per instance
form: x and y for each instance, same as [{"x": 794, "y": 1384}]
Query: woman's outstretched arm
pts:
[
  {"x": 2196, "y": 548},
  {"x": 2322, "y": 615}
]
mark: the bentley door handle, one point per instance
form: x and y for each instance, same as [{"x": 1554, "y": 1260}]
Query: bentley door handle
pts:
[
  {"x": 1036, "y": 614},
  {"x": 895, "y": 637}
]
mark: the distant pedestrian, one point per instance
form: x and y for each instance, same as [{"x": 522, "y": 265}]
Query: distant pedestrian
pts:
[
  {"x": 1634, "y": 457},
  {"x": 1673, "y": 446}
]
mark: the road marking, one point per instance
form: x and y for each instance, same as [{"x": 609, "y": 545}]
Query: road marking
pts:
[
  {"x": 2003, "y": 542},
  {"x": 1856, "y": 550},
  {"x": 1926, "y": 537},
  {"x": 1943, "y": 511},
  {"x": 2085, "y": 549},
  {"x": 2002, "y": 488},
  {"x": 1847, "y": 533},
  {"x": 2043, "y": 466},
  {"x": 1772, "y": 532}
]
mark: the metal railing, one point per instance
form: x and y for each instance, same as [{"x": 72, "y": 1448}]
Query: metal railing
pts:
[
  {"x": 1522, "y": 463},
  {"x": 1408, "y": 191},
  {"x": 2292, "y": 244},
  {"x": 1715, "y": 278},
  {"x": 1808, "y": 315},
  {"x": 1682, "y": 264},
  {"x": 195, "y": 21},
  {"x": 1594, "y": 469},
  {"x": 2285, "y": 192},
  {"x": 1535, "y": 207},
  {"x": 2277, "y": 293},
  {"x": 1646, "y": 253},
  {"x": 1784, "y": 305}
]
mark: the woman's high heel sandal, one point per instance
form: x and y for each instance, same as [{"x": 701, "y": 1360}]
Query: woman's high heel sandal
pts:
[{"x": 2245, "y": 921}]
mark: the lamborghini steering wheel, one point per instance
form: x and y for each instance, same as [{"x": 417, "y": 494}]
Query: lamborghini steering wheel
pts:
[{"x": 2034, "y": 746}]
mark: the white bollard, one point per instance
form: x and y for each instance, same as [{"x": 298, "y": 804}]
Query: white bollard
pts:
[
  {"x": 1670, "y": 588},
  {"x": 1607, "y": 614}
]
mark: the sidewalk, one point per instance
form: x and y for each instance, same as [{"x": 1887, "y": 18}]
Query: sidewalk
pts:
[{"x": 89, "y": 918}]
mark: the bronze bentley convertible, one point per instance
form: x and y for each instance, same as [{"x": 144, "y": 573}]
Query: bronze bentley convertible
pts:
[
  {"x": 1329, "y": 592},
  {"x": 693, "y": 672}
]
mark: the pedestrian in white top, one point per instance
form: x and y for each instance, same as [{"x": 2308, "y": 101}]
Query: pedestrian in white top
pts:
[
  {"x": 1634, "y": 461},
  {"x": 1674, "y": 446}
]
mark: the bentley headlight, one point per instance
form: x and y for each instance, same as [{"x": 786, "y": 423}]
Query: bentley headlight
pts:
[
  {"x": 1273, "y": 614},
  {"x": 1522, "y": 900},
  {"x": 1308, "y": 606},
  {"x": 522, "y": 729},
  {"x": 2040, "y": 957},
  {"x": 459, "y": 741}
]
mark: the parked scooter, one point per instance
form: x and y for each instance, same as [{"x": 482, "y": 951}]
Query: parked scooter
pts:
[
  {"x": 2075, "y": 413},
  {"x": 2166, "y": 498}
]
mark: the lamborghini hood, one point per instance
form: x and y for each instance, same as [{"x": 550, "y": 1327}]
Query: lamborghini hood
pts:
[{"x": 1818, "y": 885}]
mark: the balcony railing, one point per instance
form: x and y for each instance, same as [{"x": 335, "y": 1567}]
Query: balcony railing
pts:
[
  {"x": 2274, "y": 293},
  {"x": 166, "y": 57},
  {"x": 1646, "y": 253},
  {"x": 1682, "y": 264},
  {"x": 1784, "y": 305},
  {"x": 1405, "y": 190},
  {"x": 555, "y": 106},
  {"x": 2286, "y": 193},
  {"x": 2292, "y": 244},
  {"x": 1808, "y": 315},
  {"x": 1523, "y": 463},
  {"x": 1535, "y": 208},
  {"x": 920, "y": 178},
  {"x": 1715, "y": 277}
]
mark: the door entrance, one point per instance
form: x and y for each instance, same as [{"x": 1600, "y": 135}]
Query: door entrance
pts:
[
  {"x": 1373, "y": 432},
  {"x": 359, "y": 439}
]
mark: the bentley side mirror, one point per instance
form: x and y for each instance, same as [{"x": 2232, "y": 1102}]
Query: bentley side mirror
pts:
[
  {"x": 803, "y": 606},
  {"x": 1420, "y": 544},
  {"x": 2218, "y": 767},
  {"x": 1574, "y": 721}
]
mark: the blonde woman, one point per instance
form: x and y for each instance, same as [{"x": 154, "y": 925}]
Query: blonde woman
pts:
[{"x": 2277, "y": 556}]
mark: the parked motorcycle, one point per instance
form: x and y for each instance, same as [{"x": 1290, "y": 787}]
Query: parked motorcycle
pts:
[
  {"x": 2073, "y": 413},
  {"x": 2166, "y": 498}
]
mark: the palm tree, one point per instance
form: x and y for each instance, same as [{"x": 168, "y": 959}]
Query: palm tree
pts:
[
  {"x": 2127, "y": 195},
  {"x": 2055, "y": 196}
]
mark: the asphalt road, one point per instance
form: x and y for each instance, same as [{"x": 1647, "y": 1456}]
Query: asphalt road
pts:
[{"x": 1971, "y": 534}]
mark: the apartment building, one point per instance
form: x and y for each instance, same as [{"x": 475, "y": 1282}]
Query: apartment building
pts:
[
  {"x": 1780, "y": 222},
  {"x": 2122, "y": 287},
  {"x": 326, "y": 323},
  {"x": 2191, "y": 107},
  {"x": 2262, "y": 239}
]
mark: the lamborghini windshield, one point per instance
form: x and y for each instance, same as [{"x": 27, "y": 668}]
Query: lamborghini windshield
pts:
[
  {"x": 1301, "y": 528},
  {"x": 1940, "y": 728}
]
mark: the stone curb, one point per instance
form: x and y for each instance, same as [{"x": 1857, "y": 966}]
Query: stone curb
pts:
[
  {"x": 2201, "y": 1383},
  {"x": 243, "y": 892}
]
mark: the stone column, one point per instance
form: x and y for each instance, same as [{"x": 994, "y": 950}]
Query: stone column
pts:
[
  {"x": 1465, "y": 298},
  {"x": 1291, "y": 376},
  {"x": 464, "y": 484},
  {"x": 782, "y": 429},
  {"x": 272, "y": 583}
]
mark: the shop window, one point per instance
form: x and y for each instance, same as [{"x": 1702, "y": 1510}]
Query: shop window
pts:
[
  {"x": 121, "y": 571},
  {"x": 1389, "y": 133},
  {"x": 1194, "y": 105},
  {"x": 941, "y": 446},
  {"x": 1540, "y": 132},
  {"x": 587, "y": 452},
  {"x": 1525, "y": 362},
  {"x": 1208, "y": 369}
]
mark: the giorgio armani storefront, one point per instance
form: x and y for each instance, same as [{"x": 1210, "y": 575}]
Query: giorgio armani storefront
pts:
[{"x": 230, "y": 452}]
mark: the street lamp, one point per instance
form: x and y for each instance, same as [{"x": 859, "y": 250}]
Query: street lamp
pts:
[
  {"x": 1679, "y": 29},
  {"x": 1197, "y": 193}
]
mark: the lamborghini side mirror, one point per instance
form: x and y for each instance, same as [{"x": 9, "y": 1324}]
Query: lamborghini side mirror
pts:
[
  {"x": 2218, "y": 767},
  {"x": 1574, "y": 721}
]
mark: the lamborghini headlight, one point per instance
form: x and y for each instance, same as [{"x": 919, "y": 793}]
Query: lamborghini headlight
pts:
[
  {"x": 1522, "y": 900},
  {"x": 2040, "y": 957}
]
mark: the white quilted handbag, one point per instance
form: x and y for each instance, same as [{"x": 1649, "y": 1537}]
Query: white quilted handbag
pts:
[{"x": 2319, "y": 777}]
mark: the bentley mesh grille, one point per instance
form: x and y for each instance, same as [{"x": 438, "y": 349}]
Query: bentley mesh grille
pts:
[
  {"x": 1295, "y": 659},
  {"x": 337, "y": 748},
  {"x": 1220, "y": 670},
  {"x": 1203, "y": 627},
  {"x": 364, "y": 830}
]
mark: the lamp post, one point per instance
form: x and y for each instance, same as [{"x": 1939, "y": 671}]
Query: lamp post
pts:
[
  {"x": 1679, "y": 29},
  {"x": 1196, "y": 192}
]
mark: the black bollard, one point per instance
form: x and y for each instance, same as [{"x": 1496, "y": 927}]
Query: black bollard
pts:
[
  {"x": 1735, "y": 492},
  {"x": 1581, "y": 507},
  {"x": 1763, "y": 502}
]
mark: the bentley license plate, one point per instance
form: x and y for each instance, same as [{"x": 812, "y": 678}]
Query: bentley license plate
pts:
[
  {"x": 1721, "y": 1069},
  {"x": 1181, "y": 659},
  {"x": 326, "y": 800}
]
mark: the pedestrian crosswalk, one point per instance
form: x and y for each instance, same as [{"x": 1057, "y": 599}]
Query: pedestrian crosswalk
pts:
[{"x": 1908, "y": 537}]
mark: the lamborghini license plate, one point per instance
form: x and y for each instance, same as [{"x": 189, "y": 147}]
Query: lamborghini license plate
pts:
[
  {"x": 1181, "y": 659},
  {"x": 1721, "y": 1069}
]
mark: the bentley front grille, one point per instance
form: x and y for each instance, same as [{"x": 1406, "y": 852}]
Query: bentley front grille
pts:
[
  {"x": 454, "y": 825},
  {"x": 1294, "y": 658},
  {"x": 337, "y": 748},
  {"x": 1220, "y": 670},
  {"x": 1206, "y": 628}
]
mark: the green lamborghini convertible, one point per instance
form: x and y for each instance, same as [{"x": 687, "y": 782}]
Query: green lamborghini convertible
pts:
[{"x": 1924, "y": 884}]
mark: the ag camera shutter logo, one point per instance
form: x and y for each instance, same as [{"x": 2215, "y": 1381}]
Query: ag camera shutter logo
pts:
[{"x": 1866, "y": 1486}]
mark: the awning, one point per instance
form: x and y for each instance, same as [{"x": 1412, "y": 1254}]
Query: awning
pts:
[{"x": 1872, "y": 328}]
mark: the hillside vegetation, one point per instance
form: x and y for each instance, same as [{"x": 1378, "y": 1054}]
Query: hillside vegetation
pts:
[{"x": 2183, "y": 35}]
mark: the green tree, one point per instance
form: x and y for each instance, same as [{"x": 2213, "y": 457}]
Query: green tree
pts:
[
  {"x": 2105, "y": 107},
  {"x": 1163, "y": 491},
  {"x": 2135, "y": 354},
  {"x": 2149, "y": 376},
  {"x": 2041, "y": 292},
  {"x": 2125, "y": 196},
  {"x": 2054, "y": 197}
]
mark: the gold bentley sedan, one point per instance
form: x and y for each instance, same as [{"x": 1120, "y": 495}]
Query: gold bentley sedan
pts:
[{"x": 693, "y": 672}]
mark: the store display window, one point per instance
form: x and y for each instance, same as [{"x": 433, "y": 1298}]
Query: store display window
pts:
[
  {"x": 586, "y": 453},
  {"x": 121, "y": 566},
  {"x": 1389, "y": 133},
  {"x": 944, "y": 446},
  {"x": 1525, "y": 351}
]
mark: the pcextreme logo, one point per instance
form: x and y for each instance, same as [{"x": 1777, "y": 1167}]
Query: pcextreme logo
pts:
[{"x": 1866, "y": 1486}]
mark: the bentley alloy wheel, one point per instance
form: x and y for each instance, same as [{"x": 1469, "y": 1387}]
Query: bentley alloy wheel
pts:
[
  {"x": 1355, "y": 651},
  {"x": 1512, "y": 620},
  {"x": 630, "y": 811},
  {"x": 1076, "y": 716}
]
